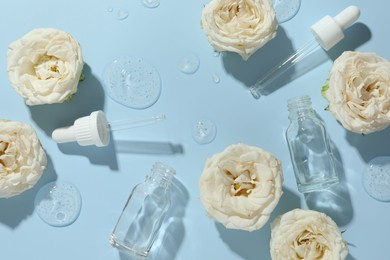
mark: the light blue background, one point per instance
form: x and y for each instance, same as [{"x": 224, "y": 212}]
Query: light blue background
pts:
[{"x": 105, "y": 176}]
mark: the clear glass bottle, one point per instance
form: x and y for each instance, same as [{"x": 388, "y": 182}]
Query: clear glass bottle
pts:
[
  {"x": 143, "y": 214},
  {"x": 309, "y": 147}
]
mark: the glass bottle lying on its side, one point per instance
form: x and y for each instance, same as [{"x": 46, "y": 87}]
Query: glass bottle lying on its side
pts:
[{"x": 144, "y": 212}]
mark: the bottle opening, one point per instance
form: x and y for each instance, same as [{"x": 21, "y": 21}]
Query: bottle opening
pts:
[
  {"x": 297, "y": 103},
  {"x": 166, "y": 170},
  {"x": 162, "y": 174}
]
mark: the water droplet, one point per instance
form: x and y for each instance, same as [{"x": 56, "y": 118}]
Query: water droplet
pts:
[
  {"x": 150, "y": 3},
  {"x": 216, "y": 79},
  {"x": 376, "y": 178},
  {"x": 110, "y": 9},
  {"x": 216, "y": 54},
  {"x": 58, "y": 204},
  {"x": 189, "y": 64},
  {"x": 204, "y": 131},
  {"x": 122, "y": 14},
  {"x": 285, "y": 9},
  {"x": 132, "y": 82}
]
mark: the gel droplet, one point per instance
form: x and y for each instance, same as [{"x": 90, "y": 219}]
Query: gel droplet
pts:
[
  {"x": 216, "y": 79},
  {"x": 150, "y": 3},
  {"x": 58, "y": 204},
  {"x": 110, "y": 9},
  {"x": 189, "y": 64},
  {"x": 376, "y": 178},
  {"x": 122, "y": 14},
  {"x": 285, "y": 9},
  {"x": 204, "y": 131},
  {"x": 132, "y": 82}
]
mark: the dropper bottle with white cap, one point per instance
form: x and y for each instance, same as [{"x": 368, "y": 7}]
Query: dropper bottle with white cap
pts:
[
  {"x": 95, "y": 129},
  {"x": 327, "y": 33}
]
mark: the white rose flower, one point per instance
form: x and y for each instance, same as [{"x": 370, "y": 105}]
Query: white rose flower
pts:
[
  {"x": 358, "y": 92},
  {"x": 241, "y": 186},
  {"x": 306, "y": 234},
  {"x": 45, "y": 66},
  {"x": 241, "y": 26},
  {"x": 22, "y": 158}
]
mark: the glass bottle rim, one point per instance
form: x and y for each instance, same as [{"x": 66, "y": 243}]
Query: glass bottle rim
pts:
[
  {"x": 168, "y": 170},
  {"x": 297, "y": 103}
]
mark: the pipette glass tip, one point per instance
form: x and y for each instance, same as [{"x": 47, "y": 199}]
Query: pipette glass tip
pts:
[
  {"x": 258, "y": 89},
  {"x": 132, "y": 123}
]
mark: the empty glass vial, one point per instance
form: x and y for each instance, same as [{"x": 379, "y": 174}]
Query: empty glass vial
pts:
[
  {"x": 143, "y": 214},
  {"x": 309, "y": 147}
]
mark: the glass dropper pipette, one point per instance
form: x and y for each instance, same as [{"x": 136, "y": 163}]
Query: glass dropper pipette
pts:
[
  {"x": 327, "y": 33},
  {"x": 95, "y": 129}
]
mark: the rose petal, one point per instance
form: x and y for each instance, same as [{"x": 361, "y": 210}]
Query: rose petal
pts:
[
  {"x": 241, "y": 26},
  {"x": 358, "y": 93},
  {"x": 45, "y": 66},
  {"x": 22, "y": 159},
  {"x": 241, "y": 186},
  {"x": 306, "y": 234}
]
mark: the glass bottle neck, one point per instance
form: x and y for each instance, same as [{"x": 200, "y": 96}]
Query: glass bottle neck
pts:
[
  {"x": 161, "y": 175},
  {"x": 300, "y": 107}
]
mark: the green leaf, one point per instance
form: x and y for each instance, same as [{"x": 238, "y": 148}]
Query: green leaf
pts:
[
  {"x": 325, "y": 88},
  {"x": 69, "y": 98},
  {"x": 82, "y": 76}
]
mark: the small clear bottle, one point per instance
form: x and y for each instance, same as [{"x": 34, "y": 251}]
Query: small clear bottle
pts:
[
  {"x": 143, "y": 214},
  {"x": 309, "y": 147}
]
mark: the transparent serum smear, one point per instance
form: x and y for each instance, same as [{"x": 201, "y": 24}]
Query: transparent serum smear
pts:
[
  {"x": 132, "y": 82},
  {"x": 204, "y": 131},
  {"x": 285, "y": 9},
  {"x": 150, "y": 3},
  {"x": 376, "y": 178},
  {"x": 58, "y": 204},
  {"x": 189, "y": 64}
]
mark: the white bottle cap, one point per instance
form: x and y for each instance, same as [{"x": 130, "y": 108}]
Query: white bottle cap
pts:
[
  {"x": 88, "y": 130},
  {"x": 329, "y": 30}
]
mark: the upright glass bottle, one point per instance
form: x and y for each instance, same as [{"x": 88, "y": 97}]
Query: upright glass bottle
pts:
[
  {"x": 309, "y": 147},
  {"x": 143, "y": 214}
]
